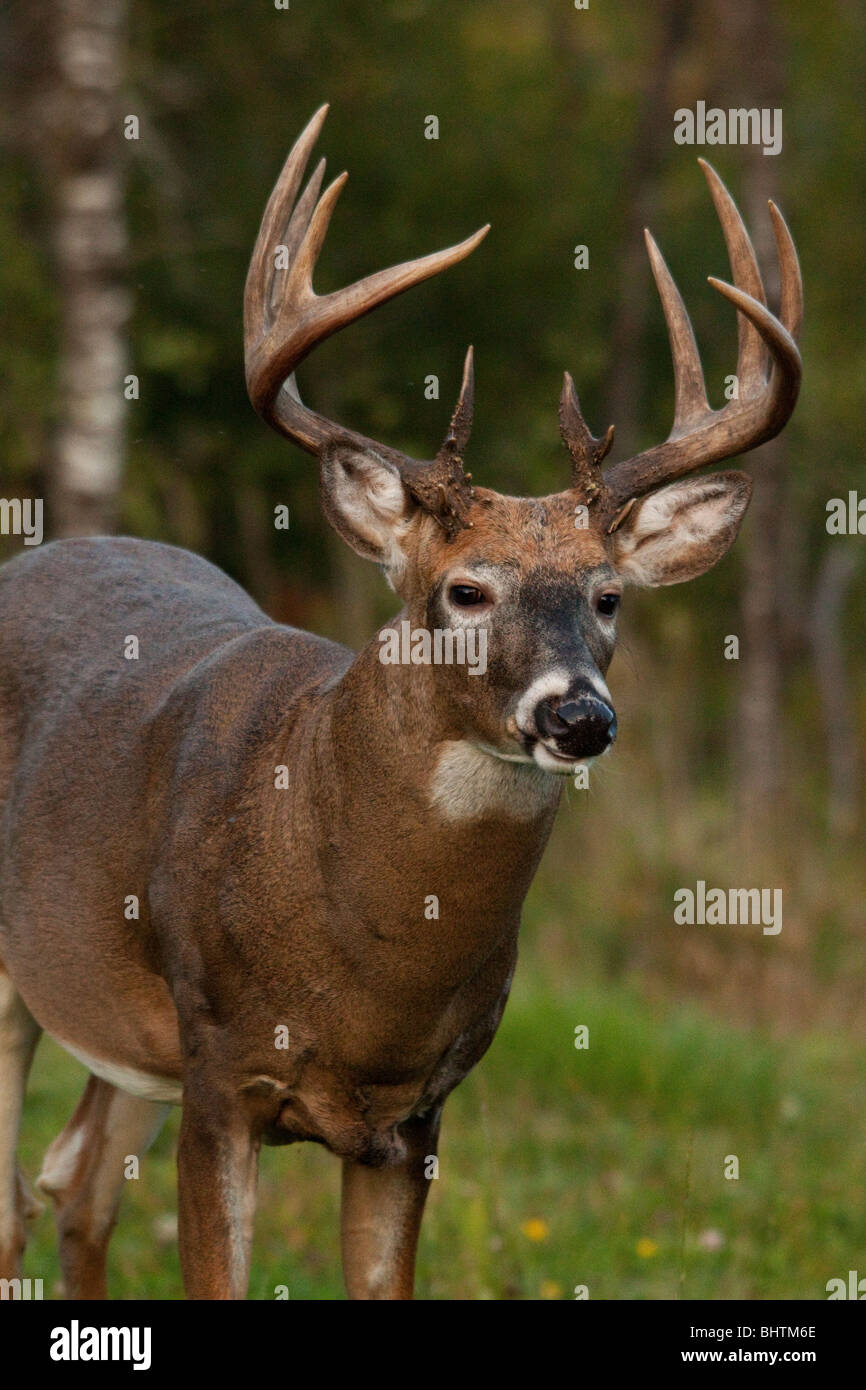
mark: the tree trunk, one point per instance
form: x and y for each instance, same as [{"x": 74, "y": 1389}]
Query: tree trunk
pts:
[
  {"x": 828, "y": 654},
  {"x": 83, "y": 154},
  {"x": 756, "y": 77}
]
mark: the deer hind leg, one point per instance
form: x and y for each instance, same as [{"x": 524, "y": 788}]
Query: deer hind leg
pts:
[
  {"x": 19, "y": 1034},
  {"x": 84, "y": 1172}
]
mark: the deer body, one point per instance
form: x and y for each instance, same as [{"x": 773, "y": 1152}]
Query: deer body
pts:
[
  {"x": 313, "y": 895},
  {"x": 285, "y": 812},
  {"x": 322, "y": 918}
]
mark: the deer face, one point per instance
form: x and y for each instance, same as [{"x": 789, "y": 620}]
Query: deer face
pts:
[
  {"x": 544, "y": 590},
  {"x": 544, "y": 587}
]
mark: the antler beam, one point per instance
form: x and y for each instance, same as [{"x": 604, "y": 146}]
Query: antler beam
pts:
[{"x": 284, "y": 319}]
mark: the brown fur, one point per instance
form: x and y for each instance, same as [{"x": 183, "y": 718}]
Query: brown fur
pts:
[
  {"x": 263, "y": 907},
  {"x": 156, "y": 778}
]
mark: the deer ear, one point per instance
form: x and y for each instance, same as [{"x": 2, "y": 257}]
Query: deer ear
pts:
[
  {"x": 682, "y": 530},
  {"x": 365, "y": 501}
]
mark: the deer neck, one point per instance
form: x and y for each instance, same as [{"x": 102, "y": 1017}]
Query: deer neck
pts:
[{"x": 407, "y": 778}]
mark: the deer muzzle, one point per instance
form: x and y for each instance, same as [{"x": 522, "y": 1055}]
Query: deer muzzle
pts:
[{"x": 581, "y": 725}]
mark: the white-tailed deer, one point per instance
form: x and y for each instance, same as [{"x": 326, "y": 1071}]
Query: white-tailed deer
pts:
[{"x": 282, "y": 809}]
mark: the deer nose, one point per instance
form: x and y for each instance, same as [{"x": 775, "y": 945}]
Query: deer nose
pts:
[{"x": 582, "y": 727}]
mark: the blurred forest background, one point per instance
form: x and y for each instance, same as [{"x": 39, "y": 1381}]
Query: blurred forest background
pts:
[{"x": 128, "y": 256}]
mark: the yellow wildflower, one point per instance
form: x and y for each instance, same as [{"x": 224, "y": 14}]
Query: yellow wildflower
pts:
[
  {"x": 646, "y": 1248},
  {"x": 535, "y": 1229},
  {"x": 550, "y": 1289}
]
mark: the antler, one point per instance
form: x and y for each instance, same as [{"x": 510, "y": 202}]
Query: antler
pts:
[
  {"x": 284, "y": 319},
  {"x": 768, "y": 371},
  {"x": 586, "y": 451}
]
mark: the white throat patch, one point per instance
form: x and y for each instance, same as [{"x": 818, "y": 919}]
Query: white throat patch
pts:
[{"x": 469, "y": 783}]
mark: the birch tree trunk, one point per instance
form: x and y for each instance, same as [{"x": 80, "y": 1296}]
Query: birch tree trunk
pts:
[{"x": 85, "y": 157}]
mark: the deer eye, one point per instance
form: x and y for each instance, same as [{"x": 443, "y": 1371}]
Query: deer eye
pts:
[
  {"x": 607, "y": 604},
  {"x": 466, "y": 595}
]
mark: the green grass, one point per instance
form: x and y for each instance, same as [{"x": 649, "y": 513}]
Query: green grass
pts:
[{"x": 619, "y": 1150}]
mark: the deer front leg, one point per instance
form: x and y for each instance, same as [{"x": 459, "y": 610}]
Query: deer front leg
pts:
[
  {"x": 381, "y": 1216},
  {"x": 217, "y": 1165}
]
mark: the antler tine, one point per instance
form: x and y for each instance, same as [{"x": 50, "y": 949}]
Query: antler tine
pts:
[
  {"x": 791, "y": 312},
  {"x": 752, "y": 356},
  {"x": 260, "y": 276},
  {"x": 295, "y": 232},
  {"x": 284, "y": 319},
  {"x": 313, "y": 240},
  {"x": 781, "y": 393},
  {"x": 444, "y": 487},
  {"x": 344, "y": 306},
  {"x": 768, "y": 368},
  {"x": 460, "y": 427},
  {"x": 586, "y": 451},
  {"x": 690, "y": 392}
]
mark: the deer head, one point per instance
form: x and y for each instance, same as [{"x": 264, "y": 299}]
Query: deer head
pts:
[{"x": 544, "y": 576}]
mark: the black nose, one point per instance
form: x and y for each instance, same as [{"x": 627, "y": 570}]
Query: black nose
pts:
[{"x": 582, "y": 727}]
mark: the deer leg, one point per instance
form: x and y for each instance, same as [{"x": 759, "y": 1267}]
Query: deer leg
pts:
[
  {"x": 217, "y": 1166},
  {"x": 84, "y": 1172},
  {"x": 19, "y": 1034},
  {"x": 381, "y": 1214}
]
